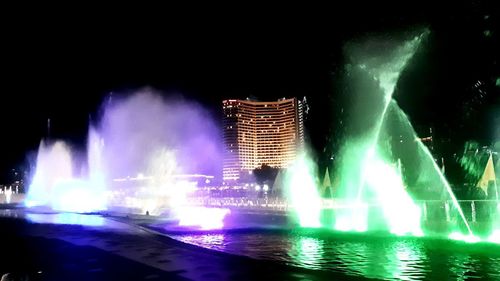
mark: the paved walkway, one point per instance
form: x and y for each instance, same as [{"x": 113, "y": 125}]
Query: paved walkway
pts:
[{"x": 105, "y": 249}]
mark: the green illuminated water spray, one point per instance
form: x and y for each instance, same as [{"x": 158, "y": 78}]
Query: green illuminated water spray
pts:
[
  {"x": 372, "y": 192},
  {"x": 380, "y": 180},
  {"x": 302, "y": 191},
  {"x": 387, "y": 75},
  {"x": 373, "y": 171},
  {"x": 434, "y": 168}
]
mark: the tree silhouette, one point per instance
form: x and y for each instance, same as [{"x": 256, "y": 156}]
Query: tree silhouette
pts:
[{"x": 265, "y": 173}]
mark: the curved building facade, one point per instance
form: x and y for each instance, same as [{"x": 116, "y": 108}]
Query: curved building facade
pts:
[{"x": 257, "y": 133}]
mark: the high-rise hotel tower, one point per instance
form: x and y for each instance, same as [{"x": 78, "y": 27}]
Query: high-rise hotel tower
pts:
[{"x": 257, "y": 133}]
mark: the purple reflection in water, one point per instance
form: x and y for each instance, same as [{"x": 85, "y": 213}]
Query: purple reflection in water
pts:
[{"x": 66, "y": 218}]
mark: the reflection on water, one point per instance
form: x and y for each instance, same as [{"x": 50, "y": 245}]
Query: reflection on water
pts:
[
  {"x": 66, "y": 218},
  {"x": 309, "y": 250},
  {"x": 215, "y": 240},
  {"x": 389, "y": 258},
  {"x": 408, "y": 260},
  {"x": 462, "y": 265}
]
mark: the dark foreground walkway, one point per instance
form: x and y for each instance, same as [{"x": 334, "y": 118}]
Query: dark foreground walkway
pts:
[{"x": 118, "y": 251}]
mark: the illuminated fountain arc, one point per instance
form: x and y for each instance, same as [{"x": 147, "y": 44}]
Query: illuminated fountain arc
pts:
[
  {"x": 371, "y": 163},
  {"x": 368, "y": 174}
]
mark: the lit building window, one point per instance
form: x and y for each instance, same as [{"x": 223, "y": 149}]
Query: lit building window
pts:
[{"x": 254, "y": 145}]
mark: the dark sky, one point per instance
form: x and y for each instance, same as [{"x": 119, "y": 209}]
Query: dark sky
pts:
[{"x": 60, "y": 62}]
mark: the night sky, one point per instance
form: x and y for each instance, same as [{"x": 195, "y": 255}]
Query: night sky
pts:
[{"x": 62, "y": 64}]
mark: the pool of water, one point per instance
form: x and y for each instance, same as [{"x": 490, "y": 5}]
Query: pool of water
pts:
[{"x": 373, "y": 256}]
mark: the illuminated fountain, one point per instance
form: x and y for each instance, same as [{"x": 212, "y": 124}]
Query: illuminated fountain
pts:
[
  {"x": 53, "y": 165},
  {"x": 57, "y": 186},
  {"x": 384, "y": 168},
  {"x": 158, "y": 140},
  {"x": 8, "y": 194},
  {"x": 302, "y": 192},
  {"x": 368, "y": 176},
  {"x": 144, "y": 135}
]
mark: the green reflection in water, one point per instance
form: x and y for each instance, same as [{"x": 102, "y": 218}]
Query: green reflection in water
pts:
[
  {"x": 358, "y": 259},
  {"x": 381, "y": 257},
  {"x": 401, "y": 260},
  {"x": 463, "y": 266},
  {"x": 308, "y": 251},
  {"x": 407, "y": 257}
]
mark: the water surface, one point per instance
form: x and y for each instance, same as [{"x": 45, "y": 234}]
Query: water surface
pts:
[{"x": 390, "y": 258}]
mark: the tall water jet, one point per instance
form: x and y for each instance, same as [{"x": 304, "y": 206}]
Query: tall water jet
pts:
[
  {"x": 53, "y": 166},
  {"x": 372, "y": 171},
  {"x": 302, "y": 192},
  {"x": 56, "y": 185},
  {"x": 95, "y": 180},
  {"x": 423, "y": 168},
  {"x": 399, "y": 211},
  {"x": 95, "y": 150},
  {"x": 362, "y": 159}
]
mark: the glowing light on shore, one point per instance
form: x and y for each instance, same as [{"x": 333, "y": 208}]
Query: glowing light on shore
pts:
[
  {"x": 468, "y": 238},
  {"x": 202, "y": 217}
]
